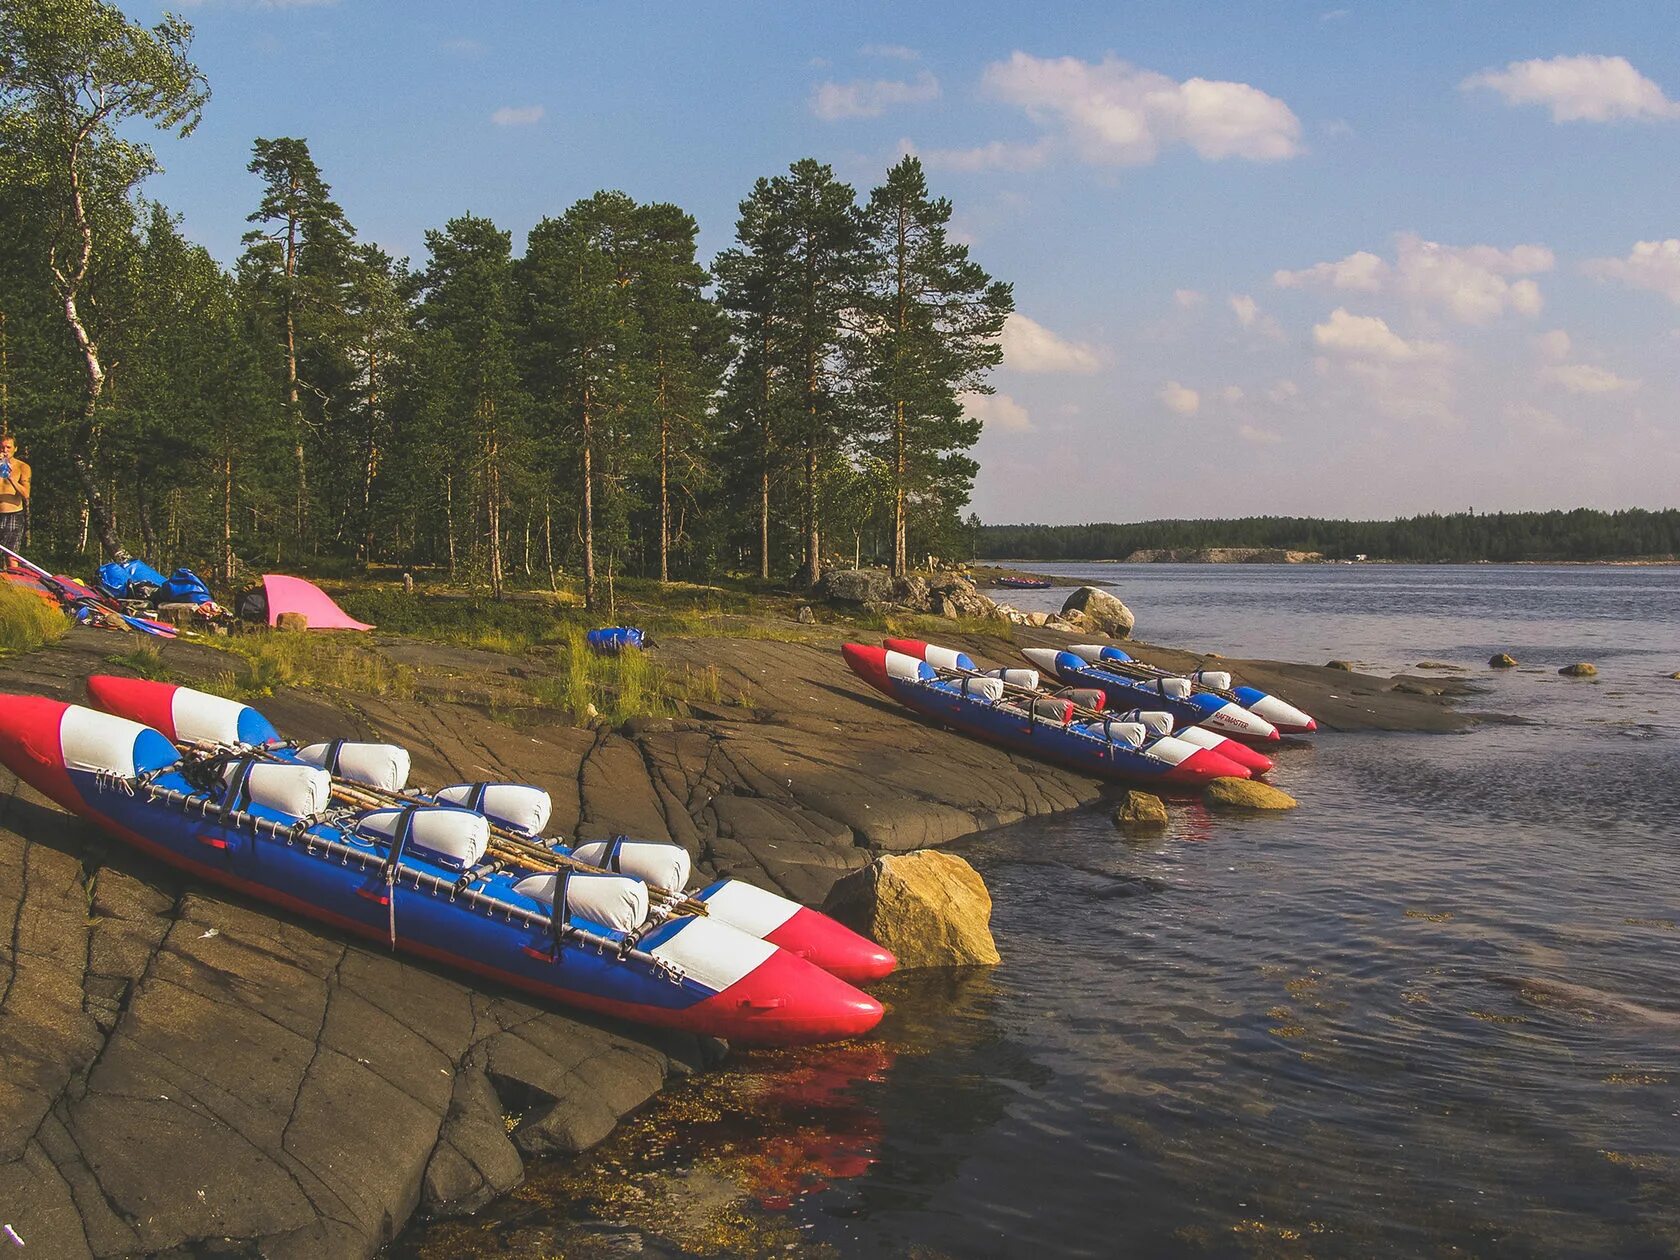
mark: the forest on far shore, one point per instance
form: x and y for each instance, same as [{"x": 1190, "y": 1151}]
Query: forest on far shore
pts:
[{"x": 1432, "y": 538}]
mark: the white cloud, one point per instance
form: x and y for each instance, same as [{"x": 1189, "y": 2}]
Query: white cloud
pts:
[
  {"x": 1473, "y": 284},
  {"x": 999, "y": 155},
  {"x": 1116, "y": 114},
  {"x": 1180, "y": 398},
  {"x": 517, "y": 115},
  {"x": 1250, "y": 316},
  {"x": 1369, "y": 337},
  {"x": 1188, "y": 299},
  {"x": 1528, "y": 421},
  {"x": 1258, "y": 436},
  {"x": 1584, "y": 378},
  {"x": 891, "y": 52},
  {"x": 1029, "y": 346},
  {"x": 1554, "y": 345},
  {"x": 1231, "y": 395},
  {"x": 1282, "y": 391},
  {"x": 870, "y": 98},
  {"x": 1651, "y": 265},
  {"x": 997, "y": 411},
  {"x": 1578, "y": 89}
]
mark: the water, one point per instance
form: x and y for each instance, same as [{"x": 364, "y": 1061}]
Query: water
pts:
[{"x": 1432, "y": 1011}]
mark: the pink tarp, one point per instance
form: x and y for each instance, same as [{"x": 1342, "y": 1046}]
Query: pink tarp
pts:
[{"x": 290, "y": 594}]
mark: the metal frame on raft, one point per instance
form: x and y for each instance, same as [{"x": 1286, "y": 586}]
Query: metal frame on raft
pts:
[{"x": 555, "y": 924}]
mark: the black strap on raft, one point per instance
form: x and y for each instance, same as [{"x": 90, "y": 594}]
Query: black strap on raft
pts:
[
  {"x": 236, "y": 791},
  {"x": 613, "y": 858},
  {"x": 399, "y": 842},
  {"x": 475, "y": 798},
  {"x": 335, "y": 748},
  {"x": 562, "y": 910}
]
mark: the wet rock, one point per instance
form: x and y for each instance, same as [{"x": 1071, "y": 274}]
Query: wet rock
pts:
[
  {"x": 1101, "y": 611},
  {"x": 1247, "y": 794},
  {"x": 1580, "y": 669},
  {"x": 291, "y": 621},
  {"x": 1339, "y": 664},
  {"x": 930, "y": 908},
  {"x": 806, "y": 617},
  {"x": 1502, "y": 660},
  {"x": 1141, "y": 811},
  {"x": 1675, "y": 674}
]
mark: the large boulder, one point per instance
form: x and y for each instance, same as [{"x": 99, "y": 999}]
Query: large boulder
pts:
[
  {"x": 1141, "y": 811},
  {"x": 856, "y": 586},
  {"x": 1101, "y": 611},
  {"x": 1247, "y": 794},
  {"x": 930, "y": 908},
  {"x": 1580, "y": 669},
  {"x": 1502, "y": 660}
]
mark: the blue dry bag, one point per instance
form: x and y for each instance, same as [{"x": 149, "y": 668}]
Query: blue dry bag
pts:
[{"x": 612, "y": 640}]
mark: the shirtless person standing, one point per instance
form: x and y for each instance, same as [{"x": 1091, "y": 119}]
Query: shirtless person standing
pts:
[{"x": 14, "y": 497}]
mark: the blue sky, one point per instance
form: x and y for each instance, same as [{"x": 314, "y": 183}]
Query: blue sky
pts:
[{"x": 1350, "y": 260}]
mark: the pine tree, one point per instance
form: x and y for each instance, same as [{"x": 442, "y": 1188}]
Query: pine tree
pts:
[
  {"x": 468, "y": 306},
  {"x": 300, "y": 254},
  {"x": 932, "y": 318}
]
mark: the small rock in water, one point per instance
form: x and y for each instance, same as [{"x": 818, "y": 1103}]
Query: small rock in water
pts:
[
  {"x": 930, "y": 908},
  {"x": 1246, "y": 794},
  {"x": 1347, "y": 665},
  {"x": 1502, "y": 660},
  {"x": 1675, "y": 674},
  {"x": 1580, "y": 669},
  {"x": 1141, "y": 811}
]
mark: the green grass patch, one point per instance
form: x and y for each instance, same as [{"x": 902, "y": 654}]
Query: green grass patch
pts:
[
  {"x": 27, "y": 621},
  {"x": 145, "y": 661},
  {"x": 585, "y": 684},
  {"x": 313, "y": 659}
]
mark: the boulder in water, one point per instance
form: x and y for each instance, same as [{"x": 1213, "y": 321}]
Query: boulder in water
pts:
[
  {"x": 1101, "y": 611},
  {"x": 1247, "y": 794},
  {"x": 1342, "y": 665},
  {"x": 1141, "y": 811},
  {"x": 930, "y": 908},
  {"x": 1580, "y": 669},
  {"x": 1502, "y": 660}
]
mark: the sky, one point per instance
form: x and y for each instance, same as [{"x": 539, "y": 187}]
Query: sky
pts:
[{"x": 1351, "y": 260}]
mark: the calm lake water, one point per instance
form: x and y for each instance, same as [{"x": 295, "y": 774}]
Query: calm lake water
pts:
[{"x": 1436, "y": 1010}]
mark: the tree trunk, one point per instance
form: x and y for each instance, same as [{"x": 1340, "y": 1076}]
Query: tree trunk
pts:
[
  {"x": 293, "y": 408},
  {"x": 664, "y": 478},
  {"x": 588, "y": 502},
  {"x": 898, "y": 564},
  {"x": 764, "y": 452},
  {"x": 81, "y": 443},
  {"x": 370, "y": 467},
  {"x": 227, "y": 516},
  {"x": 449, "y": 517},
  {"x": 548, "y": 540}
]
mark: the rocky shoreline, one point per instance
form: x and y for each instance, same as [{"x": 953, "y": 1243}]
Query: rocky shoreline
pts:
[{"x": 188, "y": 1073}]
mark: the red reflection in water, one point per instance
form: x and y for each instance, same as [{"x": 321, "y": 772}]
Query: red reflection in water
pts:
[{"x": 836, "y": 1139}]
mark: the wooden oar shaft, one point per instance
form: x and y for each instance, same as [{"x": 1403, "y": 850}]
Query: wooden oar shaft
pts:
[{"x": 1010, "y": 688}]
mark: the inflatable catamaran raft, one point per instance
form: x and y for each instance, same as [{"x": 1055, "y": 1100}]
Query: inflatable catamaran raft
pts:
[{"x": 434, "y": 880}]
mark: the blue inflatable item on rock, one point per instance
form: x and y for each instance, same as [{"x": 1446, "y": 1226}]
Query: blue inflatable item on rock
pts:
[
  {"x": 134, "y": 579},
  {"x": 184, "y": 587},
  {"x": 611, "y": 640}
]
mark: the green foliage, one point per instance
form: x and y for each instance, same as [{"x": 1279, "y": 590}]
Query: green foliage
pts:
[
  {"x": 27, "y": 621},
  {"x": 313, "y": 659},
  {"x": 1461, "y": 537}
]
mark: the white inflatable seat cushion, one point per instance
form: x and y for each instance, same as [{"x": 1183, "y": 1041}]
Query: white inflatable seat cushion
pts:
[
  {"x": 900, "y": 665},
  {"x": 946, "y": 658},
  {"x": 384, "y": 766},
  {"x": 1156, "y": 721},
  {"x": 619, "y": 902},
  {"x": 289, "y": 788},
  {"x": 456, "y": 838},
  {"x": 665, "y": 866},
  {"x": 1218, "y": 679},
  {"x": 1027, "y": 678},
  {"x": 980, "y": 688},
  {"x": 520, "y": 806},
  {"x": 1173, "y": 688},
  {"x": 1126, "y": 734}
]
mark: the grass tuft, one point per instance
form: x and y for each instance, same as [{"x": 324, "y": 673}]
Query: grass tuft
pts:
[
  {"x": 310, "y": 658},
  {"x": 27, "y": 621}
]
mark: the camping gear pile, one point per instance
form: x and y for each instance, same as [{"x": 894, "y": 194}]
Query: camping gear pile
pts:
[
  {"x": 183, "y": 598},
  {"x": 461, "y": 876}
]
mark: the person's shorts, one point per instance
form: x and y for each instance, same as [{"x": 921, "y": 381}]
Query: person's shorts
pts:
[{"x": 11, "y": 530}]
